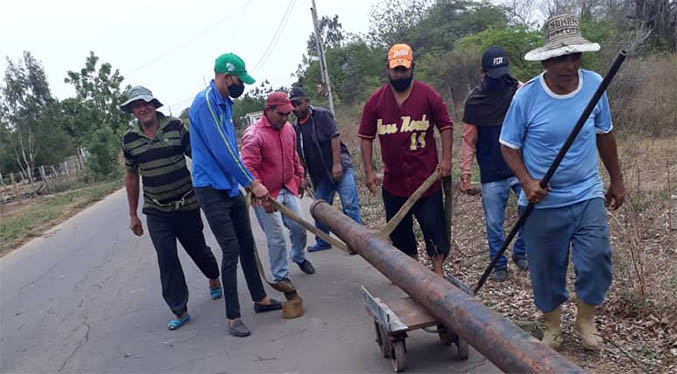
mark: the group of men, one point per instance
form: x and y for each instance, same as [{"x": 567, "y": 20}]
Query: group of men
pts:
[{"x": 514, "y": 130}]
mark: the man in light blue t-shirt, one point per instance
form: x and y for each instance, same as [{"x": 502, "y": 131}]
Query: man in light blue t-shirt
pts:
[{"x": 570, "y": 211}]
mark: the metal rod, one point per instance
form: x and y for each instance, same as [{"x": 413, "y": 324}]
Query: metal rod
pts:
[
  {"x": 310, "y": 227},
  {"x": 553, "y": 167},
  {"x": 507, "y": 346}
]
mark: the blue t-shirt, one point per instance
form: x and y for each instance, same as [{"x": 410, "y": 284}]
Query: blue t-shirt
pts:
[{"x": 539, "y": 122}]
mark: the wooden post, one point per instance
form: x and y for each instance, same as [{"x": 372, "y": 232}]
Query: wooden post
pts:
[
  {"x": 65, "y": 166},
  {"x": 44, "y": 177},
  {"x": 16, "y": 188}
]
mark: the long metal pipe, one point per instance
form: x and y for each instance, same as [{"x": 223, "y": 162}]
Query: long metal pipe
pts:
[{"x": 507, "y": 346}]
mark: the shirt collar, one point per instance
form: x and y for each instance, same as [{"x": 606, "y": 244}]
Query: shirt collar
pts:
[
  {"x": 163, "y": 121},
  {"x": 305, "y": 120},
  {"x": 217, "y": 95}
]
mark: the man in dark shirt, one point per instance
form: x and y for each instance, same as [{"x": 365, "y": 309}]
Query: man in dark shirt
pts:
[
  {"x": 485, "y": 109},
  {"x": 326, "y": 159},
  {"x": 156, "y": 148},
  {"x": 403, "y": 113}
]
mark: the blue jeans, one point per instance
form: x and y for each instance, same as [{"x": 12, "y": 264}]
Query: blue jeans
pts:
[
  {"x": 549, "y": 233},
  {"x": 347, "y": 193},
  {"x": 494, "y": 200},
  {"x": 271, "y": 224}
]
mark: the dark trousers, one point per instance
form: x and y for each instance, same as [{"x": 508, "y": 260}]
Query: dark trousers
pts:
[
  {"x": 187, "y": 227},
  {"x": 429, "y": 213},
  {"x": 228, "y": 218}
]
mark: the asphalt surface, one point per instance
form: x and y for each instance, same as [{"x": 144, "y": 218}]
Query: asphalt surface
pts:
[{"x": 86, "y": 297}]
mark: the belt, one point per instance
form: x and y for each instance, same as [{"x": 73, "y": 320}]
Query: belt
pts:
[{"x": 174, "y": 204}]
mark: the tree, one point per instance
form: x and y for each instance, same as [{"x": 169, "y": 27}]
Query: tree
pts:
[
  {"x": 331, "y": 32},
  {"x": 100, "y": 94},
  {"x": 94, "y": 116},
  {"x": 30, "y": 117}
]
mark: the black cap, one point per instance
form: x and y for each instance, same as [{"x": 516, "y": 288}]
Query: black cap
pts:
[
  {"x": 296, "y": 93},
  {"x": 495, "y": 62}
]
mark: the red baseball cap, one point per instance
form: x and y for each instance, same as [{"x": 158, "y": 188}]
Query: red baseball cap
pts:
[{"x": 280, "y": 101}]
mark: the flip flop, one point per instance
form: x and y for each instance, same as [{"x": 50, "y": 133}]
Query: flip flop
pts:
[
  {"x": 215, "y": 293},
  {"x": 176, "y": 323}
]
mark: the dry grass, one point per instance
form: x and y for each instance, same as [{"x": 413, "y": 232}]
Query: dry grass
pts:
[
  {"x": 638, "y": 319},
  {"x": 30, "y": 219}
]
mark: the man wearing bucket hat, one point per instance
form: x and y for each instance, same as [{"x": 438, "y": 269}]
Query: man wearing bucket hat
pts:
[
  {"x": 326, "y": 159},
  {"x": 155, "y": 148},
  {"x": 269, "y": 152},
  {"x": 403, "y": 113},
  {"x": 218, "y": 173},
  {"x": 570, "y": 211},
  {"x": 485, "y": 108}
]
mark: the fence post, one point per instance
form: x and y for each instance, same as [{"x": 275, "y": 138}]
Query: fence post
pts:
[
  {"x": 16, "y": 188},
  {"x": 65, "y": 166},
  {"x": 44, "y": 177}
]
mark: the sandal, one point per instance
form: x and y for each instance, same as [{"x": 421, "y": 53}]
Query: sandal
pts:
[
  {"x": 216, "y": 292},
  {"x": 176, "y": 323}
]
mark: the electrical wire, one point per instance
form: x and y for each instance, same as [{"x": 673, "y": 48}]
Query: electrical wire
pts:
[
  {"x": 145, "y": 65},
  {"x": 276, "y": 36}
]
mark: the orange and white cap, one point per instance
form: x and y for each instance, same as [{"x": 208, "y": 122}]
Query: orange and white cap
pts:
[{"x": 400, "y": 55}]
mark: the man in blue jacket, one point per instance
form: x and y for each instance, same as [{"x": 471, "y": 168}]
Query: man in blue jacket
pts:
[{"x": 218, "y": 172}]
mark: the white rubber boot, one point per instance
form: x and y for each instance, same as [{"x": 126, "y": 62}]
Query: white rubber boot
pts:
[
  {"x": 552, "y": 336},
  {"x": 585, "y": 325}
]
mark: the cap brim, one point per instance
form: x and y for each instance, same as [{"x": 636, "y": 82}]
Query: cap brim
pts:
[
  {"x": 498, "y": 72},
  {"x": 246, "y": 78},
  {"x": 286, "y": 108},
  {"x": 545, "y": 53},
  {"x": 399, "y": 62}
]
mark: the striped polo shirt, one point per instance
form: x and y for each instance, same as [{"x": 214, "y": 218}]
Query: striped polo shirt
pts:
[{"x": 161, "y": 162}]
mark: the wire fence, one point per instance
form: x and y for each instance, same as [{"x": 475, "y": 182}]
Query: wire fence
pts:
[{"x": 16, "y": 187}]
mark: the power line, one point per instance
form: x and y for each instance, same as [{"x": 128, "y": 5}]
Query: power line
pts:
[
  {"x": 188, "y": 41},
  {"x": 276, "y": 36}
]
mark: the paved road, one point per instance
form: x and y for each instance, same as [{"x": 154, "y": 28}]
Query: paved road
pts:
[{"x": 86, "y": 298}]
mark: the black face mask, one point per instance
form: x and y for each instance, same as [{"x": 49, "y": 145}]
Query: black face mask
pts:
[
  {"x": 400, "y": 84},
  {"x": 235, "y": 90}
]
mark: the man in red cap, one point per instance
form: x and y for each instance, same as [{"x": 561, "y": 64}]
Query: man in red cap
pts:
[
  {"x": 269, "y": 153},
  {"x": 403, "y": 113}
]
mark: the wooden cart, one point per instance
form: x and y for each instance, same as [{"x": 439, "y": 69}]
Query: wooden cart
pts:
[{"x": 394, "y": 318}]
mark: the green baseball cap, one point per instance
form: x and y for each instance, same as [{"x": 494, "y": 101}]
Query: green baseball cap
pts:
[{"x": 230, "y": 63}]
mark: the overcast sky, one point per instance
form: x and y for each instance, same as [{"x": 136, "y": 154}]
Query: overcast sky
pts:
[{"x": 168, "y": 46}]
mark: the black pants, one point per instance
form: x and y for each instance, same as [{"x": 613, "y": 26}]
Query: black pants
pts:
[
  {"x": 187, "y": 227},
  {"x": 429, "y": 213},
  {"x": 228, "y": 218}
]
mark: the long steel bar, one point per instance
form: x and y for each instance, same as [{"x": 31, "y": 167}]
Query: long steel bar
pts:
[{"x": 507, "y": 346}]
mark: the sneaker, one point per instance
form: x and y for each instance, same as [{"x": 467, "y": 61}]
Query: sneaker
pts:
[
  {"x": 306, "y": 267},
  {"x": 239, "y": 329},
  {"x": 318, "y": 247},
  {"x": 274, "y": 305},
  {"x": 499, "y": 275},
  {"x": 521, "y": 262}
]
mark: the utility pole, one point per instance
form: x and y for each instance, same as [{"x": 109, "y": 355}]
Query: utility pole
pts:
[{"x": 323, "y": 60}]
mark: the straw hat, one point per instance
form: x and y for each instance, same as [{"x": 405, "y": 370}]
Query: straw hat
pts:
[{"x": 562, "y": 37}]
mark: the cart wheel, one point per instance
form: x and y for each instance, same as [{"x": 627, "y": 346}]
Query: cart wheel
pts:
[
  {"x": 386, "y": 345},
  {"x": 443, "y": 332},
  {"x": 463, "y": 352},
  {"x": 398, "y": 357}
]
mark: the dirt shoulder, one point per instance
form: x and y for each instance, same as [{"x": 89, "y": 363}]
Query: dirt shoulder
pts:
[{"x": 21, "y": 222}]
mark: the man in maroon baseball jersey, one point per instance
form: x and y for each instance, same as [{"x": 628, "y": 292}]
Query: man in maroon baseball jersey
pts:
[{"x": 403, "y": 113}]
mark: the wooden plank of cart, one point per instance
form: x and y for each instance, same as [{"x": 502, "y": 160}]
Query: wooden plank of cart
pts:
[{"x": 394, "y": 318}]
